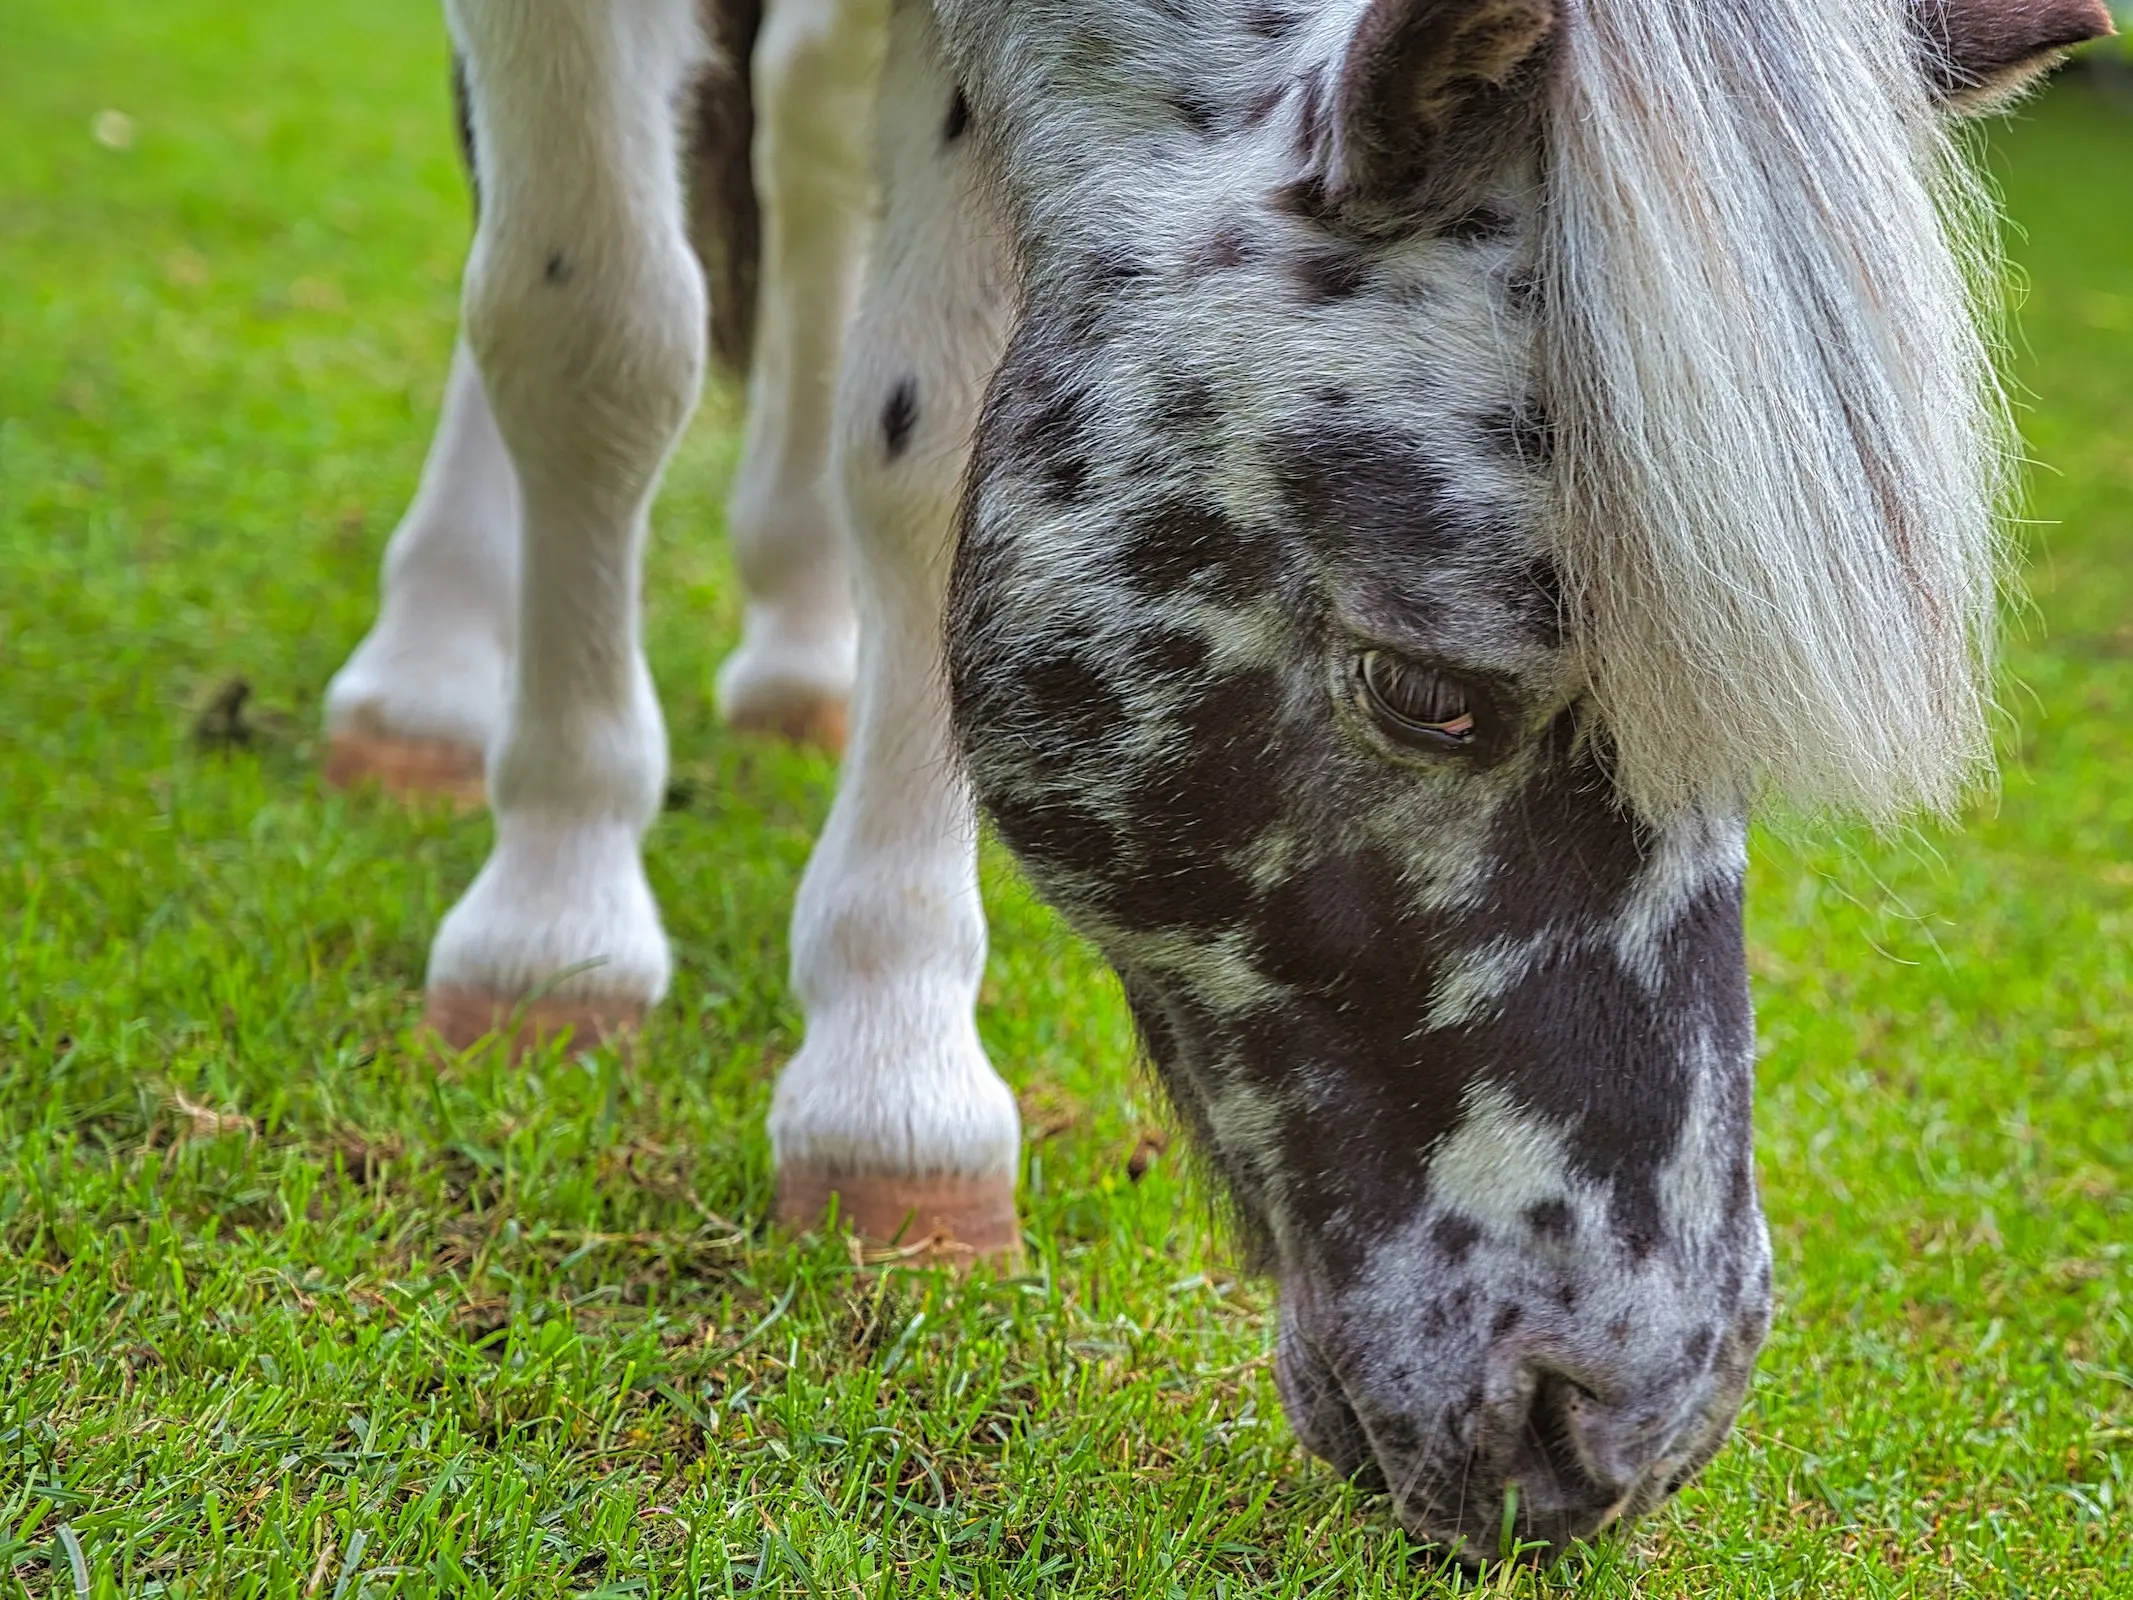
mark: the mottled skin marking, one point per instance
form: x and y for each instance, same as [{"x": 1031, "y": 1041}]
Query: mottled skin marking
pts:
[
  {"x": 1330, "y": 272},
  {"x": 1273, "y": 21},
  {"x": 899, "y": 415},
  {"x": 1202, "y": 116},
  {"x": 1552, "y": 1220},
  {"x": 1229, "y": 246}
]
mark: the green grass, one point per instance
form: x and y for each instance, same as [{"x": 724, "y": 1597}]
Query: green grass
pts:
[{"x": 284, "y": 1308}]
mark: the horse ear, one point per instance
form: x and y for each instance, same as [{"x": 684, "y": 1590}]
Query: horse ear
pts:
[
  {"x": 1981, "y": 54},
  {"x": 1432, "y": 93}
]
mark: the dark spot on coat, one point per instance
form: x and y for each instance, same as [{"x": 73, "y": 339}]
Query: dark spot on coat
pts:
[
  {"x": 1185, "y": 409},
  {"x": 1199, "y": 893},
  {"x": 1633, "y": 1209},
  {"x": 899, "y": 415},
  {"x": 958, "y": 121},
  {"x": 1067, "y": 698},
  {"x": 1203, "y": 804},
  {"x": 1228, "y": 247},
  {"x": 1171, "y": 653},
  {"x": 1054, "y": 834},
  {"x": 1159, "y": 1038},
  {"x": 1164, "y": 547},
  {"x": 1264, "y": 104},
  {"x": 557, "y": 269},
  {"x": 1330, "y": 272},
  {"x": 1321, "y": 923},
  {"x": 1506, "y": 1319},
  {"x": 1597, "y": 1048},
  {"x": 1199, "y": 114},
  {"x": 1456, "y": 1237},
  {"x": 1272, "y": 21},
  {"x": 1066, "y": 476},
  {"x": 1218, "y": 779},
  {"x": 1698, "y": 1348},
  {"x": 1112, "y": 269},
  {"x": 1552, "y": 1220},
  {"x": 1730, "y": 1281},
  {"x": 1101, "y": 279},
  {"x": 1363, "y": 487},
  {"x": 1036, "y": 423},
  {"x": 1436, "y": 1321},
  {"x": 1740, "y": 1188}
]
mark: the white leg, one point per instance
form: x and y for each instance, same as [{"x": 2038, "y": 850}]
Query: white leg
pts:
[
  {"x": 585, "y": 310},
  {"x": 417, "y": 703},
  {"x": 816, "y": 66},
  {"x": 891, "y": 1103}
]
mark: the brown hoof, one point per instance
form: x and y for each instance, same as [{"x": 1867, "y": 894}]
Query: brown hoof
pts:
[
  {"x": 815, "y": 719},
  {"x": 462, "y": 1018},
  {"x": 407, "y": 769},
  {"x": 942, "y": 1217}
]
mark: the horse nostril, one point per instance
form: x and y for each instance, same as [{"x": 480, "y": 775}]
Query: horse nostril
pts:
[
  {"x": 1555, "y": 1437},
  {"x": 1586, "y": 1462},
  {"x": 1320, "y": 1412}
]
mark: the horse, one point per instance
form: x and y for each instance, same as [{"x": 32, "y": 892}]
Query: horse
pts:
[{"x": 1366, "y": 495}]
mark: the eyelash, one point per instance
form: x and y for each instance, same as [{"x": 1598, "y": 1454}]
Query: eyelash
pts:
[{"x": 1443, "y": 720}]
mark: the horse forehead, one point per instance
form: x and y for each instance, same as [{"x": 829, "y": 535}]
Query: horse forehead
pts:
[
  {"x": 1209, "y": 255},
  {"x": 1411, "y": 440},
  {"x": 1417, "y": 328}
]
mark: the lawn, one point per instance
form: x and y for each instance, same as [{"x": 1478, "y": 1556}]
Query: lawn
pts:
[{"x": 286, "y": 1308}]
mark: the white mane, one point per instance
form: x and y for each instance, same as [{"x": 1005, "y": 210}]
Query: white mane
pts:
[{"x": 1783, "y": 451}]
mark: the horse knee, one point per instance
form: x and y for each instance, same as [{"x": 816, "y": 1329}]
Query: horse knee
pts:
[{"x": 592, "y": 349}]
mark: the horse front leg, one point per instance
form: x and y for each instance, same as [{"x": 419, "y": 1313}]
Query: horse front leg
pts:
[
  {"x": 416, "y": 705},
  {"x": 891, "y": 1105},
  {"x": 816, "y": 66},
  {"x": 584, "y": 308}
]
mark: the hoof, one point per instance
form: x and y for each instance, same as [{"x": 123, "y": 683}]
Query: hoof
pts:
[
  {"x": 812, "y": 719},
  {"x": 407, "y": 769},
  {"x": 940, "y": 1218},
  {"x": 462, "y": 1018}
]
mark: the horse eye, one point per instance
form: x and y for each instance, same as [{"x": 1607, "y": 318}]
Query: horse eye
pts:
[{"x": 1415, "y": 704}]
